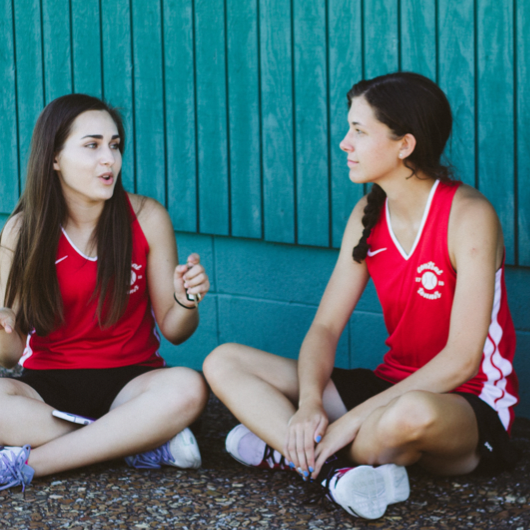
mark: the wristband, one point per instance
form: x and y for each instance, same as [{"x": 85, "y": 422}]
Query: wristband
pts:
[{"x": 186, "y": 306}]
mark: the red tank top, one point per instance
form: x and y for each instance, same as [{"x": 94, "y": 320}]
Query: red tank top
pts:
[
  {"x": 80, "y": 342},
  {"x": 416, "y": 292}
]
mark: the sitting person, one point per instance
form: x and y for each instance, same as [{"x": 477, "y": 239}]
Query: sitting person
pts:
[
  {"x": 86, "y": 270},
  {"x": 444, "y": 393}
]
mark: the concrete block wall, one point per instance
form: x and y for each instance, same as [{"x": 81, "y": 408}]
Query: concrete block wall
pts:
[{"x": 265, "y": 295}]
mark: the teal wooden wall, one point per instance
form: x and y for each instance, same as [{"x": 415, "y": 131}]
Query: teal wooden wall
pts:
[{"x": 234, "y": 111}]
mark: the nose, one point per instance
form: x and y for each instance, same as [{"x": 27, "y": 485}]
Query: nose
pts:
[
  {"x": 108, "y": 156},
  {"x": 346, "y": 145}
]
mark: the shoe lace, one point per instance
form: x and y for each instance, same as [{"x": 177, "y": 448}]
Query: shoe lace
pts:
[
  {"x": 268, "y": 457},
  {"x": 317, "y": 491},
  {"x": 151, "y": 459},
  {"x": 11, "y": 468}
]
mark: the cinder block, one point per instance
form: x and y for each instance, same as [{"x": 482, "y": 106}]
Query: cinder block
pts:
[
  {"x": 272, "y": 271},
  {"x": 518, "y": 287},
  {"x": 275, "y": 327},
  {"x": 522, "y": 369},
  {"x": 193, "y": 352},
  {"x": 367, "y": 339}
]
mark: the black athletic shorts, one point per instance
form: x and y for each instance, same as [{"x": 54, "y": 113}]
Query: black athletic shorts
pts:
[
  {"x": 87, "y": 392},
  {"x": 495, "y": 448}
]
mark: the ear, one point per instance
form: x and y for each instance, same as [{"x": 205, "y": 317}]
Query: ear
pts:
[
  {"x": 56, "y": 165},
  {"x": 408, "y": 144}
]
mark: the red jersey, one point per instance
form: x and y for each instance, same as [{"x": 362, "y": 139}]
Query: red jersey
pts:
[
  {"x": 80, "y": 342},
  {"x": 416, "y": 292}
]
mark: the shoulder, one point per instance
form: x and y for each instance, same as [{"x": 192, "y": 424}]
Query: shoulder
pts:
[
  {"x": 474, "y": 225},
  {"x": 11, "y": 231},
  {"x": 152, "y": 216},
  {"x": 471, "y": 208}
]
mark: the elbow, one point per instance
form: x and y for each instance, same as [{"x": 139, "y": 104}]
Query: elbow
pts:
[{"x": 180, "y": 335}]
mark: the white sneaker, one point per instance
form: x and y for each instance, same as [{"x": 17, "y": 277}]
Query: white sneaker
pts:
[
  {"x": 366, "y": 491},
  {"x": 181, "y": 451},
  {"x": 250, "y": 450}
]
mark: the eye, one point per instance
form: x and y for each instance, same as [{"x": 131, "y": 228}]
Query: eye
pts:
[
  {"x": 358, "y": 132},
  {"x": 115, "y": 146},
  {"x": 92, "y": 145}
]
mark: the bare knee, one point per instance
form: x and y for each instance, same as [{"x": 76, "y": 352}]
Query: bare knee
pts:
[
  {"x": 185, "y": 391},
  {"x": 407, "y": 419},
  {"x": 222, "y": 361}
]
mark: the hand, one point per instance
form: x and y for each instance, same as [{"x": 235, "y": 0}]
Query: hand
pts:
[
  {"x": 306, "y": 428},
  {"x": 7, "y": 319},
  {"x": 191, "y": 278},
  {"x": 338, "y": 435}
]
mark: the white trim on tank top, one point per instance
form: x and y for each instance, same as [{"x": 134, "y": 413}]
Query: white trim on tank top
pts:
[
  {"x": 422, "y": 224},
  {"x": 75, "y": 248}
]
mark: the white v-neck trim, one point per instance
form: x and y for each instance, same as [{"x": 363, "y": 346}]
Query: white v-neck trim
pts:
[
  {"x": 422, "y": 224},
  {"x": 75, "y": 248}
]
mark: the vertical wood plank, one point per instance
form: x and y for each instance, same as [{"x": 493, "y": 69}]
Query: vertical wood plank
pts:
[
  {"x": 30, "y": 97},
  {"x": 456, "y": 67},
  {"x": 180, "y": 114},
  {"x": 244, "y": 126},
  {"x": 495, "y": 112},
  {"x": 311, "y": 123},
  {"x": 381, "y": 37},
  {"x": 345, "y": 69},
  {"x": 148, "y": 100},
  {"x": 418, "y": 37},
  {"x": 9, "y": 165},
  {"x": 117, "y": 75},
  {"x": 212, "y": 117},
  {"x": 277, "y": 120},
  {"x": 56, "y": 48},
  {"x": 523, "y": 138},
  {"x": 86, "y": 47}
]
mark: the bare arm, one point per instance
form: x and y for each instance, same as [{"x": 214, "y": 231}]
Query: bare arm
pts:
[
  {"x": 165, "y": 278},
  {"x": 11, "y": 339},
  {"x": 475, "y": 247},
  {"x": 317, "y": 354}
]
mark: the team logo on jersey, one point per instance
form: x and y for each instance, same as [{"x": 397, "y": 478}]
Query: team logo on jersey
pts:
[
  {"x": 429, "y": 278},
  {"x": 135, "y": 275}
]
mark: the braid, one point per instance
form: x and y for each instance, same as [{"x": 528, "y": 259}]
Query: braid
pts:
[{"x": 376, "y": 199}]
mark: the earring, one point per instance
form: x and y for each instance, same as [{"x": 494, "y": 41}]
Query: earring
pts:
[{"x": 400, "y": 155}]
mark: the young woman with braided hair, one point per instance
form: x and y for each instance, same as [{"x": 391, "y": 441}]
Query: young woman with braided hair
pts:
[{"x": 444, "y": 392}]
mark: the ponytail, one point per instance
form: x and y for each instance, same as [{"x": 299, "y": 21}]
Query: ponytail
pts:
[{"x": 372, "y": 211}]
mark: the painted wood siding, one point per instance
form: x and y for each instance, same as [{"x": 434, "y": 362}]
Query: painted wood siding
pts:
[{"x": 235, "y": 109}]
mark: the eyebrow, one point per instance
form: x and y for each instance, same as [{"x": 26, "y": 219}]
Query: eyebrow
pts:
[
  {"x": 356, "y": 123},
  {"x": 100, "y": 136}
]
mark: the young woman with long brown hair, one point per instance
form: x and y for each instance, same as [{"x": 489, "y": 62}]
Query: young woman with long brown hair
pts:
[
  {"x": 444, "y": 393},
  {"x": 85, "y": 271}
]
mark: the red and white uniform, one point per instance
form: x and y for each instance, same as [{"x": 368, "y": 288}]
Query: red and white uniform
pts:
[
  {"x": 80, "y": 342},
  {"x": 416, "y": 292}
]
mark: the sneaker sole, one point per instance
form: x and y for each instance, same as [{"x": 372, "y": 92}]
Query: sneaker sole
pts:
[{"x": 367, "y": 491}]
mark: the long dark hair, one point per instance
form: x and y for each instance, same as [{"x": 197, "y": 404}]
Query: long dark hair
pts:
[
  {"x": 407, "y": 103},
  {"x": 32, "y": 280}
]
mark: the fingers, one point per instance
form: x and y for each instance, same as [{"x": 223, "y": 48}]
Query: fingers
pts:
[{"x": 7, "y": 322}]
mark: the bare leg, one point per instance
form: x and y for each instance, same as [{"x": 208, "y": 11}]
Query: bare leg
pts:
[
  {"x": 149, "y": 410},
  {"x": 437, "y": 430},
  {"x": 261, "y": 390}
]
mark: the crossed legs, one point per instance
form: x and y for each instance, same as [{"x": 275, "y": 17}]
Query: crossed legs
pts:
[
  {"x": 147, "y": 412},
  {"x": 437, "y": 430}
]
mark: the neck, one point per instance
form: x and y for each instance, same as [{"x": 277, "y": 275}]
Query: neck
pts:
[
  {"x": 83, "y": 216},
  {"x": 407, "y": 197}
]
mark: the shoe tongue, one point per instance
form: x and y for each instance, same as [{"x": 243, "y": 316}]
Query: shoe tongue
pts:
[{"x": 251, "y": 449}]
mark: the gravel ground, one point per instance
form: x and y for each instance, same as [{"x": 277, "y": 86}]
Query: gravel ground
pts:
[{"x": 226, "y": 495}]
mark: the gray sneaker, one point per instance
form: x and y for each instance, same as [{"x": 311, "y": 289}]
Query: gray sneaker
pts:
[
  {"x": 181, "y": 451},
  {"x": 14, "y": 470}
]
